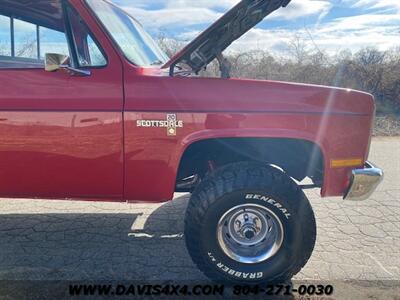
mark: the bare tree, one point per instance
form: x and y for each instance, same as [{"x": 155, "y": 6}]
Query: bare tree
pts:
[
  {"x": 4, "y": 48},
  {"x": 170, "y": 46},
  {"x": 28, "y": 48},
  {"x": 298, "y": 49},
  {"x": 370, "y": 70}
]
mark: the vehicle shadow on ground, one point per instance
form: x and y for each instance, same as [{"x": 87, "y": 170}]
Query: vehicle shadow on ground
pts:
[{"x": 98, "y": 246}]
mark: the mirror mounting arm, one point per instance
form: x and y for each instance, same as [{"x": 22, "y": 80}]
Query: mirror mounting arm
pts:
[
  {"x": 55, "y": 62},
  {"x": 74, "y": 71}
]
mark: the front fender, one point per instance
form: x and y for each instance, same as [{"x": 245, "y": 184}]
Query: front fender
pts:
[{"x": 152, "y": 156}]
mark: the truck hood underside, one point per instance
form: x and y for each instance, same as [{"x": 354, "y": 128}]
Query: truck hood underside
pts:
[{"x": 235, "y": 23}]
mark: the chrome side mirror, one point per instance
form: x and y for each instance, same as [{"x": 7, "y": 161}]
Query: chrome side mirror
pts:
[{"x": 55, "y": 62}]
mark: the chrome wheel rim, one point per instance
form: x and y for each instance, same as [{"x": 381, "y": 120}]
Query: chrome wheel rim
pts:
[{"x": 250, "y": 233}]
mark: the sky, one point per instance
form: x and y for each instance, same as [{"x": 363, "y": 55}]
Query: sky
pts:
[
  {"x": 327, "y": 25},
  {"x": 322, "y": 25}
]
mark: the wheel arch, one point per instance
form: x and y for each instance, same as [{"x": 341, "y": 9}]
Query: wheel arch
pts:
[{"x": 297, "y": 153}]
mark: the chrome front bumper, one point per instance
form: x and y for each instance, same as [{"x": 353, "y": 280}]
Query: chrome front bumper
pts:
[{"x": 363, "y": 182}]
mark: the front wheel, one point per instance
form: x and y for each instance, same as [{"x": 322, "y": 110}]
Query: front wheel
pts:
[{"x": 249, "y": 224}]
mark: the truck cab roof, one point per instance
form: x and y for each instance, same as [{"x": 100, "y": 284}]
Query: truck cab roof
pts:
[{"x": 46, "y": 13}]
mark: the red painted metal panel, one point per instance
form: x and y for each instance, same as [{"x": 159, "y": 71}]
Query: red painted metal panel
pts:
[
  {"x": 62, "y": 136},
  {"x": 337, "y": 120},
  {"x": 59, "y": 154}
]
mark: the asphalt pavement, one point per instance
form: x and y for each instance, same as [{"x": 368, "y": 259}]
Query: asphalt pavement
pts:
[{"x": 64, "y": 240}]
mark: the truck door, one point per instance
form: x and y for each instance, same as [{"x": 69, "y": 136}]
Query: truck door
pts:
[{"x": 61, "y": 134}]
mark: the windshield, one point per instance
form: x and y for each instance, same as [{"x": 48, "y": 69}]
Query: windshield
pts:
[{"x": 136, "y": 44}]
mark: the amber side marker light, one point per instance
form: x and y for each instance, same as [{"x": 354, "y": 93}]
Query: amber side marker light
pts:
[{"x": 342, "y": 163}]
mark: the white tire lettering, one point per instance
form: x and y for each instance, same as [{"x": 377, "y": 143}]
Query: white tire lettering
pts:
[
  {"x": 233, "y": 272},
  {"x": 270, "y": 201}
]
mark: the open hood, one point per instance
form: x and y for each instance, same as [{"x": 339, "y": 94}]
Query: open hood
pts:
[{"x": 231, "y": 26}]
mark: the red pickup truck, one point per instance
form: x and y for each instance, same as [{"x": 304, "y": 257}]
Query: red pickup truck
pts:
[{"x": 91, "y": 108}]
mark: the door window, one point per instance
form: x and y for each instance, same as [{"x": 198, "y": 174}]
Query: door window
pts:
[
  {"x": 5, "y": 36},
  {"x": 28, "y": 32},
  {"x": 87, "y": 50},
  {"x": 52, "y": 41},
  {"x": 24, "y": 44},
  {"x": 25, "y": 39}
]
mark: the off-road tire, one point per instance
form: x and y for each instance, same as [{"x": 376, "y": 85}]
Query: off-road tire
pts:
[{"x": 233, "y": 185}]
